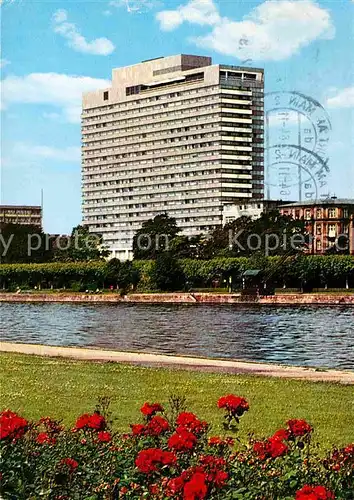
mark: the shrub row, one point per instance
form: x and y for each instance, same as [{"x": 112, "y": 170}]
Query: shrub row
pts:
[
  {"x": 171, "y": 454},
  {"x": 332, "y": 271}
]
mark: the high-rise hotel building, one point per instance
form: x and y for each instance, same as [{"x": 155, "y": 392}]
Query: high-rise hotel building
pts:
[{"x": 177, "y": 135}]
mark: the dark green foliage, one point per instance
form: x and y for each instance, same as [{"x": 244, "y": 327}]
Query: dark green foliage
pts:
[
  {"x": 81, "y": 246},
  {"x": 53, "y": 275},
  {"x": 121, "y": 274},
  {"x": 335, "y": 271},
  {"x": 20, "y": 243},
  {"x": 188, "y": 247},
  {"x": 271, "y": 234},
  {"x": 154, "y": 237},
  {"x": 29, "y": 244},
  {"x": 91, "y": 461},
  {"x": 166, "y": 273}
]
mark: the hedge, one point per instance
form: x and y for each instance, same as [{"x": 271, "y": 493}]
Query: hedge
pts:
[
  {"x": 55, "y": 275},
  {"x": 333, "y": 271}
]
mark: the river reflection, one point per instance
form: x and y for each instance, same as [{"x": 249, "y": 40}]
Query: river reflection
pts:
[{"x": 308, "y": 336}]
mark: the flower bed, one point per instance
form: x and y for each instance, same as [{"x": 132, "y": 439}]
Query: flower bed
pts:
[{"x": 170, "y": 454}]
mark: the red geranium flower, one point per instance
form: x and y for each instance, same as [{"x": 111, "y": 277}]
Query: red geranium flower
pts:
[
  {"x": 219, "y": 478},
  {"x": 95, "y": 421},
  {"x": 281, "y": 434},
  {"x": 212, "y": 461},
  {"x": 137, "y": 429},
  {"x": 340, "y": 458},
  {"x": 82, "y": 421},
  {"x": 191, "y": 423},
  {"x": 196, "y": 488},
  {"x": 233, "y": 404},
  {"x": 213, "y": 467},
  {"x": 12, "y": 425},
  {"x": 157, "y": 426},
  {"x": 271, "y": 448},
  {"x": 44, "y": 438},
  {"x": 349, "y": 450},
  {"x": 299, "y": 428},
  {"x": 70, "y": 463},
  {"x": 277, "y": 448},
  {"x": 174, "y": 486},
  {"x": 151, "y": 459},
  {"x": 217, "y": 441},
  {"x": 314, "y": 493},
  {"x": 150, "y": 409},
  {"x": 154, "y": 489},
  {"x": 104, "y": 436},
  {"x": 182, "y": 440}
]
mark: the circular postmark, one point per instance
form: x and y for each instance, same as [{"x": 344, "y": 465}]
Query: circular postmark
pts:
[
  {"x": 285, "y": 161},
  {"x": 296, "y": 150}
]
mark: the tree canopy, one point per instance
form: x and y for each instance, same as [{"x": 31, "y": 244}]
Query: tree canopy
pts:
[{"x": 154, "y": 237}]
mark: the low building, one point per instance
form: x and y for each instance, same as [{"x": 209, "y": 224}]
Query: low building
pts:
[
  {"x": 253, "y": 209},
  {"x": 329, "y": 222},
  {"x": 21, "y": 214}
]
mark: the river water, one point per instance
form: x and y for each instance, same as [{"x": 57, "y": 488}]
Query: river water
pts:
[{"x": 307, "y": 336}]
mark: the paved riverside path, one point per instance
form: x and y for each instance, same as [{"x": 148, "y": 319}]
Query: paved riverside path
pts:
[{"x": 183, "y": 362}]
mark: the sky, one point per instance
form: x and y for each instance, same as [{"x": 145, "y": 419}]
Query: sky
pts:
[{"x": 52, "y": 51}]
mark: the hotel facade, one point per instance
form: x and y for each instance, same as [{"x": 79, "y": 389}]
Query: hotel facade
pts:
[
  {"x": 176, "y": 135},
  {"x": 327, "y": 221}
]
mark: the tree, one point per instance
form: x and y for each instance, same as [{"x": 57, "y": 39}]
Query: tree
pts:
[
  {"x": 121, "y": 274},
  {"x": 221, "y": 240},
  {"x": 279, "y": 234},
  {"x": 166, "y": 273},
  {"x": 188, "y": 247},
  {"x": 22, "y": 243},
  {"x": 271, "y": 234},
  {"x": 154, "y": 237},
  {"x": 80, "y": 246}
]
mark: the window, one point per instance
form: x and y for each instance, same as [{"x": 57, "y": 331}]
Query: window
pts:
[
  {"x": 307, "y": 214},
  {"x": 318, "y": 213},
  {"x": 331, "y": 230},
  {"x": 331, "y": 212},
  {"x": 318, "y": 229},
  {"x": 345, "y": 212},
  {"x": 318, "y": 245},
  {"x": 105, "y": 95}
]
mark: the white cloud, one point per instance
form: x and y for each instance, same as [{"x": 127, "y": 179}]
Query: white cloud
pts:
[
  {"x": 58, "y": 90},
  {"x": 274, "y": 30},
  {"x": 98, "y": 46},
  {"x": 52, "y": 115},
  {"x": 4, "y": 62},
  {"x": 343, "y": 99},
  {"x": 134, "y": 6},
  {"x": 202, "y": 12},
  {"x": 23, "y": 155},
  {"x": 33, "y": 152}
]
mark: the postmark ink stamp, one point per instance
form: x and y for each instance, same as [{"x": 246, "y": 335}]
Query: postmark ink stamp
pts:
[{"x": 296, "y": 146}]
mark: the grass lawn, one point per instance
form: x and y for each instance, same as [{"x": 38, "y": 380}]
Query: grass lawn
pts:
[{"x": 36, "y": 386}]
